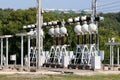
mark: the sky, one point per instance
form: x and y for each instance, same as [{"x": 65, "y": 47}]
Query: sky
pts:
[
  {"x": 23, "y": 4},
  {"x": 61, "y": 4}
]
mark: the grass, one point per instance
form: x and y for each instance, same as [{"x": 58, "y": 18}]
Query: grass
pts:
[{"x": 58, "y": 77}]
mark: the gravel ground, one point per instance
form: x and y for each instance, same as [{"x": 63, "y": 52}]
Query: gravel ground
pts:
[{"x": 61, "y": 71}]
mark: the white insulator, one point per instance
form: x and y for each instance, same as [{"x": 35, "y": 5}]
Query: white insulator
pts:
[
  {"x": 41, "y": 32},
  {"x": 51, "y": 31},
  {"x": 31, "y": 32},
  {"x": 63, "y": 30},
  {"x": 24, "y": 27},
  {"x": 29, "y": 26},
  {"x": 57, "y": 31},
  {"x": 77, "y": 29},
  {"x": 70, "y": 20},
  {"x": 83, "y": 18},
  {"x": 49, "y": 23},
  {"x": 33, "y": 25},
  {"x": 31, "y": 48},
  {"x": 45, "y": 24},
  {"x": 92, "y": 27},
  {"x": 77, "y": 19},
  {"x": 55, "y": 22},
  {"x": 85, "y": 28},
  {"x": 43, "y": 11},
  {"x": 35, "y": 32},
  {"x": 113, "y": 39},
  {"x": 101, "y": 18}
]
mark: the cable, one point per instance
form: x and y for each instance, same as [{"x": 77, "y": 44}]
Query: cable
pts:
[
  {"x": 113, "y": 2},
  {"x": 102, "y": 1},
  {"x": 106, "y": 5},
  {"x": 117, "y": 4},
  {"x": 109, "y": 7},
  {"x": 110, "y": 10}
]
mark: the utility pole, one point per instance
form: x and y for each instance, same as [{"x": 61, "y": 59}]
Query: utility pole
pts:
[
  {"x": 38, "y": 37},
  {"x": 94, "y": 9},
  {"x": 93, "y": 15}
]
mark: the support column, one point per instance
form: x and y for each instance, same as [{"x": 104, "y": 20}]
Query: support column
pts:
[
  {"x": 97, "y": 41},
  {"x": 6, "y": 52},
  {"x": 66, "y": 39},
  {"x": 57, "y": 40},
  {"x": 89, "y": 38},
  {"x": 82, "y": 39},
  {"x": 29, "y": 51},
  {"x": 85, "y": 39},
  {"x": 21, "y": 53},
  {"x": 78, "y": 39},
  {"x": 118, "y": 56},
  {"x": 38, "y": 37},
  {"x": 1, "y": 51},
  {"x": 112, "y": 56},
  {"x": 92, "y": 39}
]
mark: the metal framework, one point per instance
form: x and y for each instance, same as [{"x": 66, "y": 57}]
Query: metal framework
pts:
[
  {"x": 6, "y": 58},
  {"x": 112, "y": 44}
]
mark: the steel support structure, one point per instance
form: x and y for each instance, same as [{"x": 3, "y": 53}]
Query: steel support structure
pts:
[
  {"x": 1, "y": 51},
  {"x": 28, "y": 51},
  {"x": 6, "y": 52},
  {"x": 118, "y": 54},
  {"x": 22, "y": 53}
]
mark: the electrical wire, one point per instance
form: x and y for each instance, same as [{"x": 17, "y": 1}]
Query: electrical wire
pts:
[
  {"x": 110, "y": 6},
  {"x": 107, "y": 6},
  {"x": 110, "y": 3},
  {"x": 110, "y": 10},
  {"x": 102, "y": 1}
]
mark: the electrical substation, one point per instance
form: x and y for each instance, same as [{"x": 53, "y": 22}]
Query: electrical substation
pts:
[{"x": 85, "y": 56}]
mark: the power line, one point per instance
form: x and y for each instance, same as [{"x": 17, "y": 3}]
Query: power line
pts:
[
  {"x": 102, "y": 1},
  {"x": 109, "y": 7},
  {"x": 110, "y": 10},
  {"x": 114, "y": 5},
  {"x": 106, "y": 5},
  {"x": 117, "y": 4},
  {"x": 110, "y": 3}
]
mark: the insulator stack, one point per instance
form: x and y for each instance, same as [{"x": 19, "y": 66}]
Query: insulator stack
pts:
[
  {"x": 96, "y": 39},
  {"x": 78, "y": 39},
  {"x": 57, "y": 40},
  {"x": 92, "y": 38},
  {"x": 84, "y": 39},
  {"x": 67, "y": 38},
  {"x": 89, "y": 39},
  {"x": 52, "y": 41},
  {"x": 62, "y": 40}
]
